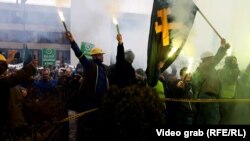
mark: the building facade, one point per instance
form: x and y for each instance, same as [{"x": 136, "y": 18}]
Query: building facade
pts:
[{"x": 36, "y": 26}]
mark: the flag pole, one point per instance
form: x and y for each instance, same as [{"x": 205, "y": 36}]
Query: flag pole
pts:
[{"x": 209, "y": 23}]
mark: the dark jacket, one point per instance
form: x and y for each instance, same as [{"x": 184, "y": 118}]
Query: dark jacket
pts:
[
  {"x": 205, "y": 78},
  {"x": 228, "y": 77},
  {"x": 89, "y": 95},
  {"x": 6, "y": 83},
  {"x": 45, "y": 88},
  {"x": 123, "y": 73},
  {"x": 183, "y": 108}
]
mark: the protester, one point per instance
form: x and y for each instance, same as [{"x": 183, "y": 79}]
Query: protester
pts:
[
  {"x": 228, "y": 76},
  {"x": 95, "y": 84},
  {"x": 182, "y": 113},
  {"x": 141, "y": 77},
  {"x": 6, "y": 83},
  {"x": 242, "y": 110},
  {"x": 46, "y": 85},
  {"x": 123, "y": 73},
  {"x": 207, "y": 85}
]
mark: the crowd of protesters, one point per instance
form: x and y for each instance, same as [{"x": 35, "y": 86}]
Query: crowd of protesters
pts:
[{"x": 35, "y": 102}]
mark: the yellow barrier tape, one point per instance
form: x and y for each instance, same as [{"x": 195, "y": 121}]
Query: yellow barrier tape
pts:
[
  {"x": 77, "y": 115},
  {"x": 206, "y": 100},
  {"x": 166, "y": 99}
]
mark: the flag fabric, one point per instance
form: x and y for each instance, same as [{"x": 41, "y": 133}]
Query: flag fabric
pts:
[
  {"x": 27, "y": 56},
  {"x": 171, "y": 22}
]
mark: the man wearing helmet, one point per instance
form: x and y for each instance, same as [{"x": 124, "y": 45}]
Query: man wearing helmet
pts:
[
  {"x": 8, "y": 82},
  {"x": 3, "y": 64},
  {"x": 95, "y": 84},
  {"x": 207, "y": 85}
]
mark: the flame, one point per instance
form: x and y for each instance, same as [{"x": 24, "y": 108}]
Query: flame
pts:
[
  {"x": 173, "y": 50},
  {"x": 177, "y": 42},
  {"x": 61, "y": 15},
  {"x": 190, "y": 64},
  {"x": 115, "y": 21},
  {"x": 229, "y": 51}
]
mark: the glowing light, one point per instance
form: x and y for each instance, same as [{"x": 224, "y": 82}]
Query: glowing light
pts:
[
  {"x": 115, "y": 21},
  {"x": 116, "y": 24},
  {"x": 177, "y": 42},
  {"x": 171, "y": 53},
  {"x": 62, "y": 19},
  {"x": 61, "y": 15},
  {"x": 229, "y": 51},
  {"x": 190, "y": 64}
]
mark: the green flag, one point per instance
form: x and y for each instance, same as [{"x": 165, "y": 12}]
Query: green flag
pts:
[
  {"x": 27, "y": 56},
  {"x": 86, "y": 48},
  {"x": 171, "y": 21}
]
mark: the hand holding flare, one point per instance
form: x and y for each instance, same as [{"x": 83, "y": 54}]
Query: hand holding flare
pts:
[{"x": 62, "y": 19}]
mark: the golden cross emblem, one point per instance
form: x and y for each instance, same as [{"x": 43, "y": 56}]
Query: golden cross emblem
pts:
[{"x": 165, "y": 26}]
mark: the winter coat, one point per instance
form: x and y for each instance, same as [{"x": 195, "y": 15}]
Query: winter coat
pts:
[
  {"x": 6, "y": 83},
  {"x": 92, "y": 88},
  {"x": 122, "y": 73}
]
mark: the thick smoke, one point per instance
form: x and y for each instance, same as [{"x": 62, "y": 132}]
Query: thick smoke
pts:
[{"x": 91, "y": 21}]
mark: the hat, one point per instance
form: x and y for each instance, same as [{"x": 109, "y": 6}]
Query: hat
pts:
[
  {"x": 129, "y": 56},
  {"x": 96, "y": 50},
  {"x": 206, "y": 54},
  {"x": 141, "y": 72},
  {"x": 3, "y": 64},
  {"x": 2, "y": 58}
]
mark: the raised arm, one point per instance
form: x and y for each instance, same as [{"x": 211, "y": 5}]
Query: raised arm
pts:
[
  {"x": 79, "y": 54},
  {"x": 120, "y": 56},
  {"x": 221, "y": 52},
  {"x": 20, "y": 76},
  {"x": 11, "y": 56}
]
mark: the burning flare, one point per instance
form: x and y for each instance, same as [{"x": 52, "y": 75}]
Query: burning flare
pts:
[
  {"x": 61, "y": 15},
  {"x": 116, "y": 24},
  {"x": 62, "y": 19}
]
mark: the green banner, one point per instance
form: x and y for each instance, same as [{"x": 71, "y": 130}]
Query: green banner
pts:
[
  {"x": 171, "y": 21},
  {"x": 86, "y": 48},
  {"x": 49, "y": 56}
]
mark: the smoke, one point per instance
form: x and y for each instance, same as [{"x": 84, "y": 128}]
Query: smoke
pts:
[
  {"x": 227, "y": 18},
  {"x": 184, "y": 13},
  {"x": 92, "y": 22},
  {"x": 230, "y": 20},
  {"x": 62, "y": 3}
]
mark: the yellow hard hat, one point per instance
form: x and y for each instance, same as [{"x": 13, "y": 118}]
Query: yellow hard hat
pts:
[
  {"x": 96, "y": 50},
  {"x": 2, "y": 58}
]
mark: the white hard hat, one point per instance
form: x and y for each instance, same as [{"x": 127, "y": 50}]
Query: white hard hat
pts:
[{"x": 206, "y": 54}]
